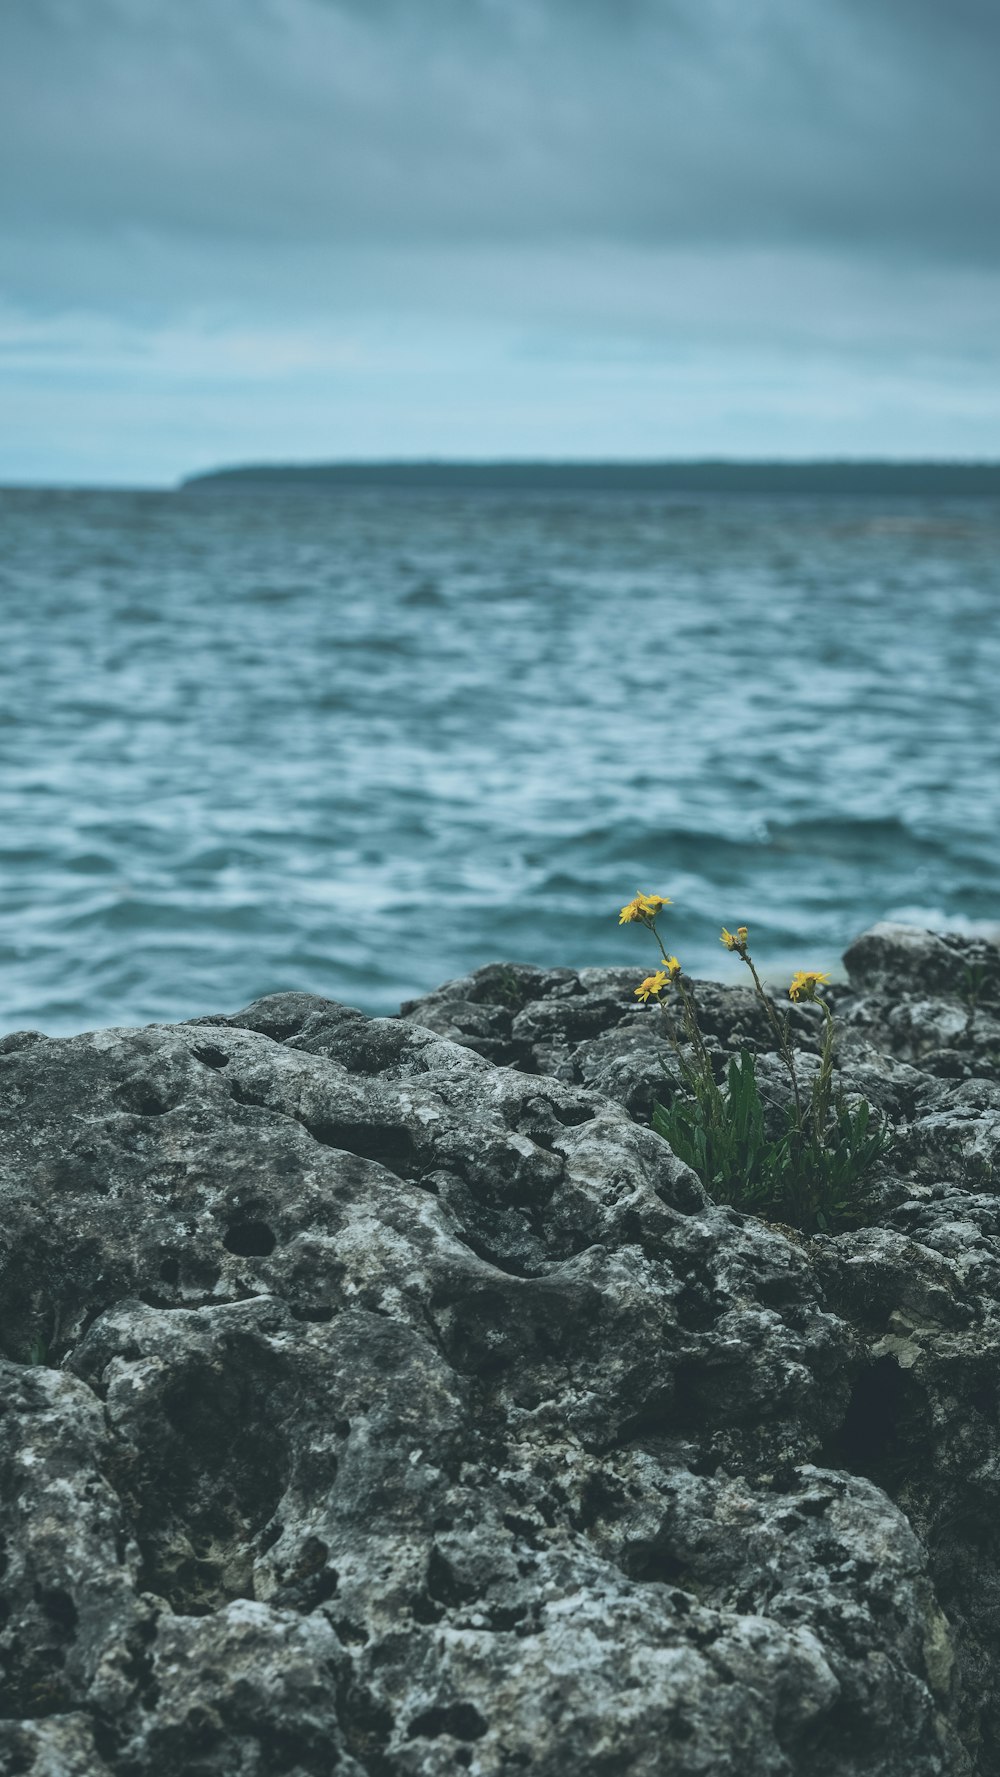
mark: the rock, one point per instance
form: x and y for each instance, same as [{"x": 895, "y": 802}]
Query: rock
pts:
[
  {"x": 382, "y": 1397},
  {"x": 933, "y": 998},
  {"x": 906, "y": 960}
]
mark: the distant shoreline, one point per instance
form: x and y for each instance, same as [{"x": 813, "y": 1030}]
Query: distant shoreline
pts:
[{"x": 710, "y": 476}]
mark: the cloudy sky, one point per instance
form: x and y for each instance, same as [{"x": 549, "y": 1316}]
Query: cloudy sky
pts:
[{"x": 291, "y": 229}]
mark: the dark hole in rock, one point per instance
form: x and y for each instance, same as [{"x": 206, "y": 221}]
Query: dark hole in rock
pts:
[
  {"x": 528, "y": 1399},
  {"x": 309, "y": 1581},
  {"x": 886, "y": 1411},
  {"x": 210, "y": 1056},
  {"x": 312, "y": 1311},
  {"x": 779, "y": 1292},
  {"x": 572, "y": 1114},
  {"x": 461, "y": 1720},
  {"x": 652, "y": 1561},
  {"x": 598, "y": 1499},
  {"x": 249, "y": 1240},
  {"x": 391, "y": 1146},
  {"x": 366, "y": 1725},
  {"x": 443, "y": 1583},
  {"x": 524, "y": 1528},
  {"x": 146, "y": 1097},
  {"x": 313, "y": 1557},
  {"x": 107, "y": 1737},
  {"x": 504, "y": 1617},
  {"x": 814, "y": 1505},
  {"x": 785, "y": 1479},
  {"x": 492, "y": 1250},
  {"x": 170, "y": 1270},
  {"x": 681, "y": 1729},
  {"x": 485, "y": 1369},
  {"x": 692, "y": 1405},
  {"x": 211, "y": 1474},
  {"x": 655, "y": 1421},
  {"x": 425, "y": 1610},
  {"x": 696, "y": 1307},
  {"x": 60, "y": 1609},
  {"x": 787, "y": 1522},
  {"x": 705, "y": 1464}
]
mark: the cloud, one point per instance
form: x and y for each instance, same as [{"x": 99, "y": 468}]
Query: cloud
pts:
[
  {"x": 414, "y": 224},
  {"x": 660, "y": 121}
]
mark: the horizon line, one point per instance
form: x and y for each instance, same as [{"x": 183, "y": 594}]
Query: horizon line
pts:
[
  {"x": 678, "y": 475},
  {"x": 422, "y": 469}
]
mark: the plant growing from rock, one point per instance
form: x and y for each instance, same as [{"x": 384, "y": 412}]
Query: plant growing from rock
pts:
[{"x": 808, "y": 1165}]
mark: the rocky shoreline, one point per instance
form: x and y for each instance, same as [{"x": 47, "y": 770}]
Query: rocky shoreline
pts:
[{"x": 382, "y": 1397}]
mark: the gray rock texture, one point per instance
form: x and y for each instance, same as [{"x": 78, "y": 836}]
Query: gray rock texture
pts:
[{"x": 382, "y": 1397}]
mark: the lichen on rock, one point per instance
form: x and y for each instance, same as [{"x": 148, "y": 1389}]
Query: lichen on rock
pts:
[{"x": 383, "y": 1397}]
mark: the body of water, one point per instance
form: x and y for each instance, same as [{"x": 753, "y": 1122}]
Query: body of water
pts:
[{"x": 358, "y": 741}]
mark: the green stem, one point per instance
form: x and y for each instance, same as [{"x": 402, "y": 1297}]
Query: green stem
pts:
[
  {"x": 659, "y": 940},
  {"x": 698, "y": 1082},
  {"x": 821, "y": 1095},
  {"x": 698, "y": 1043},
  {"x": 780, "y": 1030},
  {"x": 689, "y": 1075}
]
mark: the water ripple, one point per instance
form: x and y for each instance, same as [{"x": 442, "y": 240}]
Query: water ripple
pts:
[{"x": 359, "y": 743}]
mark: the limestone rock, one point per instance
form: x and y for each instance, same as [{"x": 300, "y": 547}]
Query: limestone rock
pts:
[{"x": 382, "y": 1397}]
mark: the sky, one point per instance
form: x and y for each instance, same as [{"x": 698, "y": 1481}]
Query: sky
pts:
[{"x": 246, "y": 230}]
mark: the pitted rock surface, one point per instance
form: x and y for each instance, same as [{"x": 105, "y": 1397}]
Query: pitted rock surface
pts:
[{"x": 381, "y": 1397}]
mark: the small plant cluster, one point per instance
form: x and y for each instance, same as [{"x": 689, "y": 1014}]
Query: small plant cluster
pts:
[{"x": 811, "y": 1172}]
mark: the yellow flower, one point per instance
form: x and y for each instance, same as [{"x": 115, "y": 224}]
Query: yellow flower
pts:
[
  {"x": 644, "y": 907},
  {"x": 673, "y": 967},
  {"x": 653, "y": 984},
  {"x": 805, "y": 983},
  {"x": 735, "y": 940}
]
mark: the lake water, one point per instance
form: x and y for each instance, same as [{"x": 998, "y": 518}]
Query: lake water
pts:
[{"x": 359, "y": 742}]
